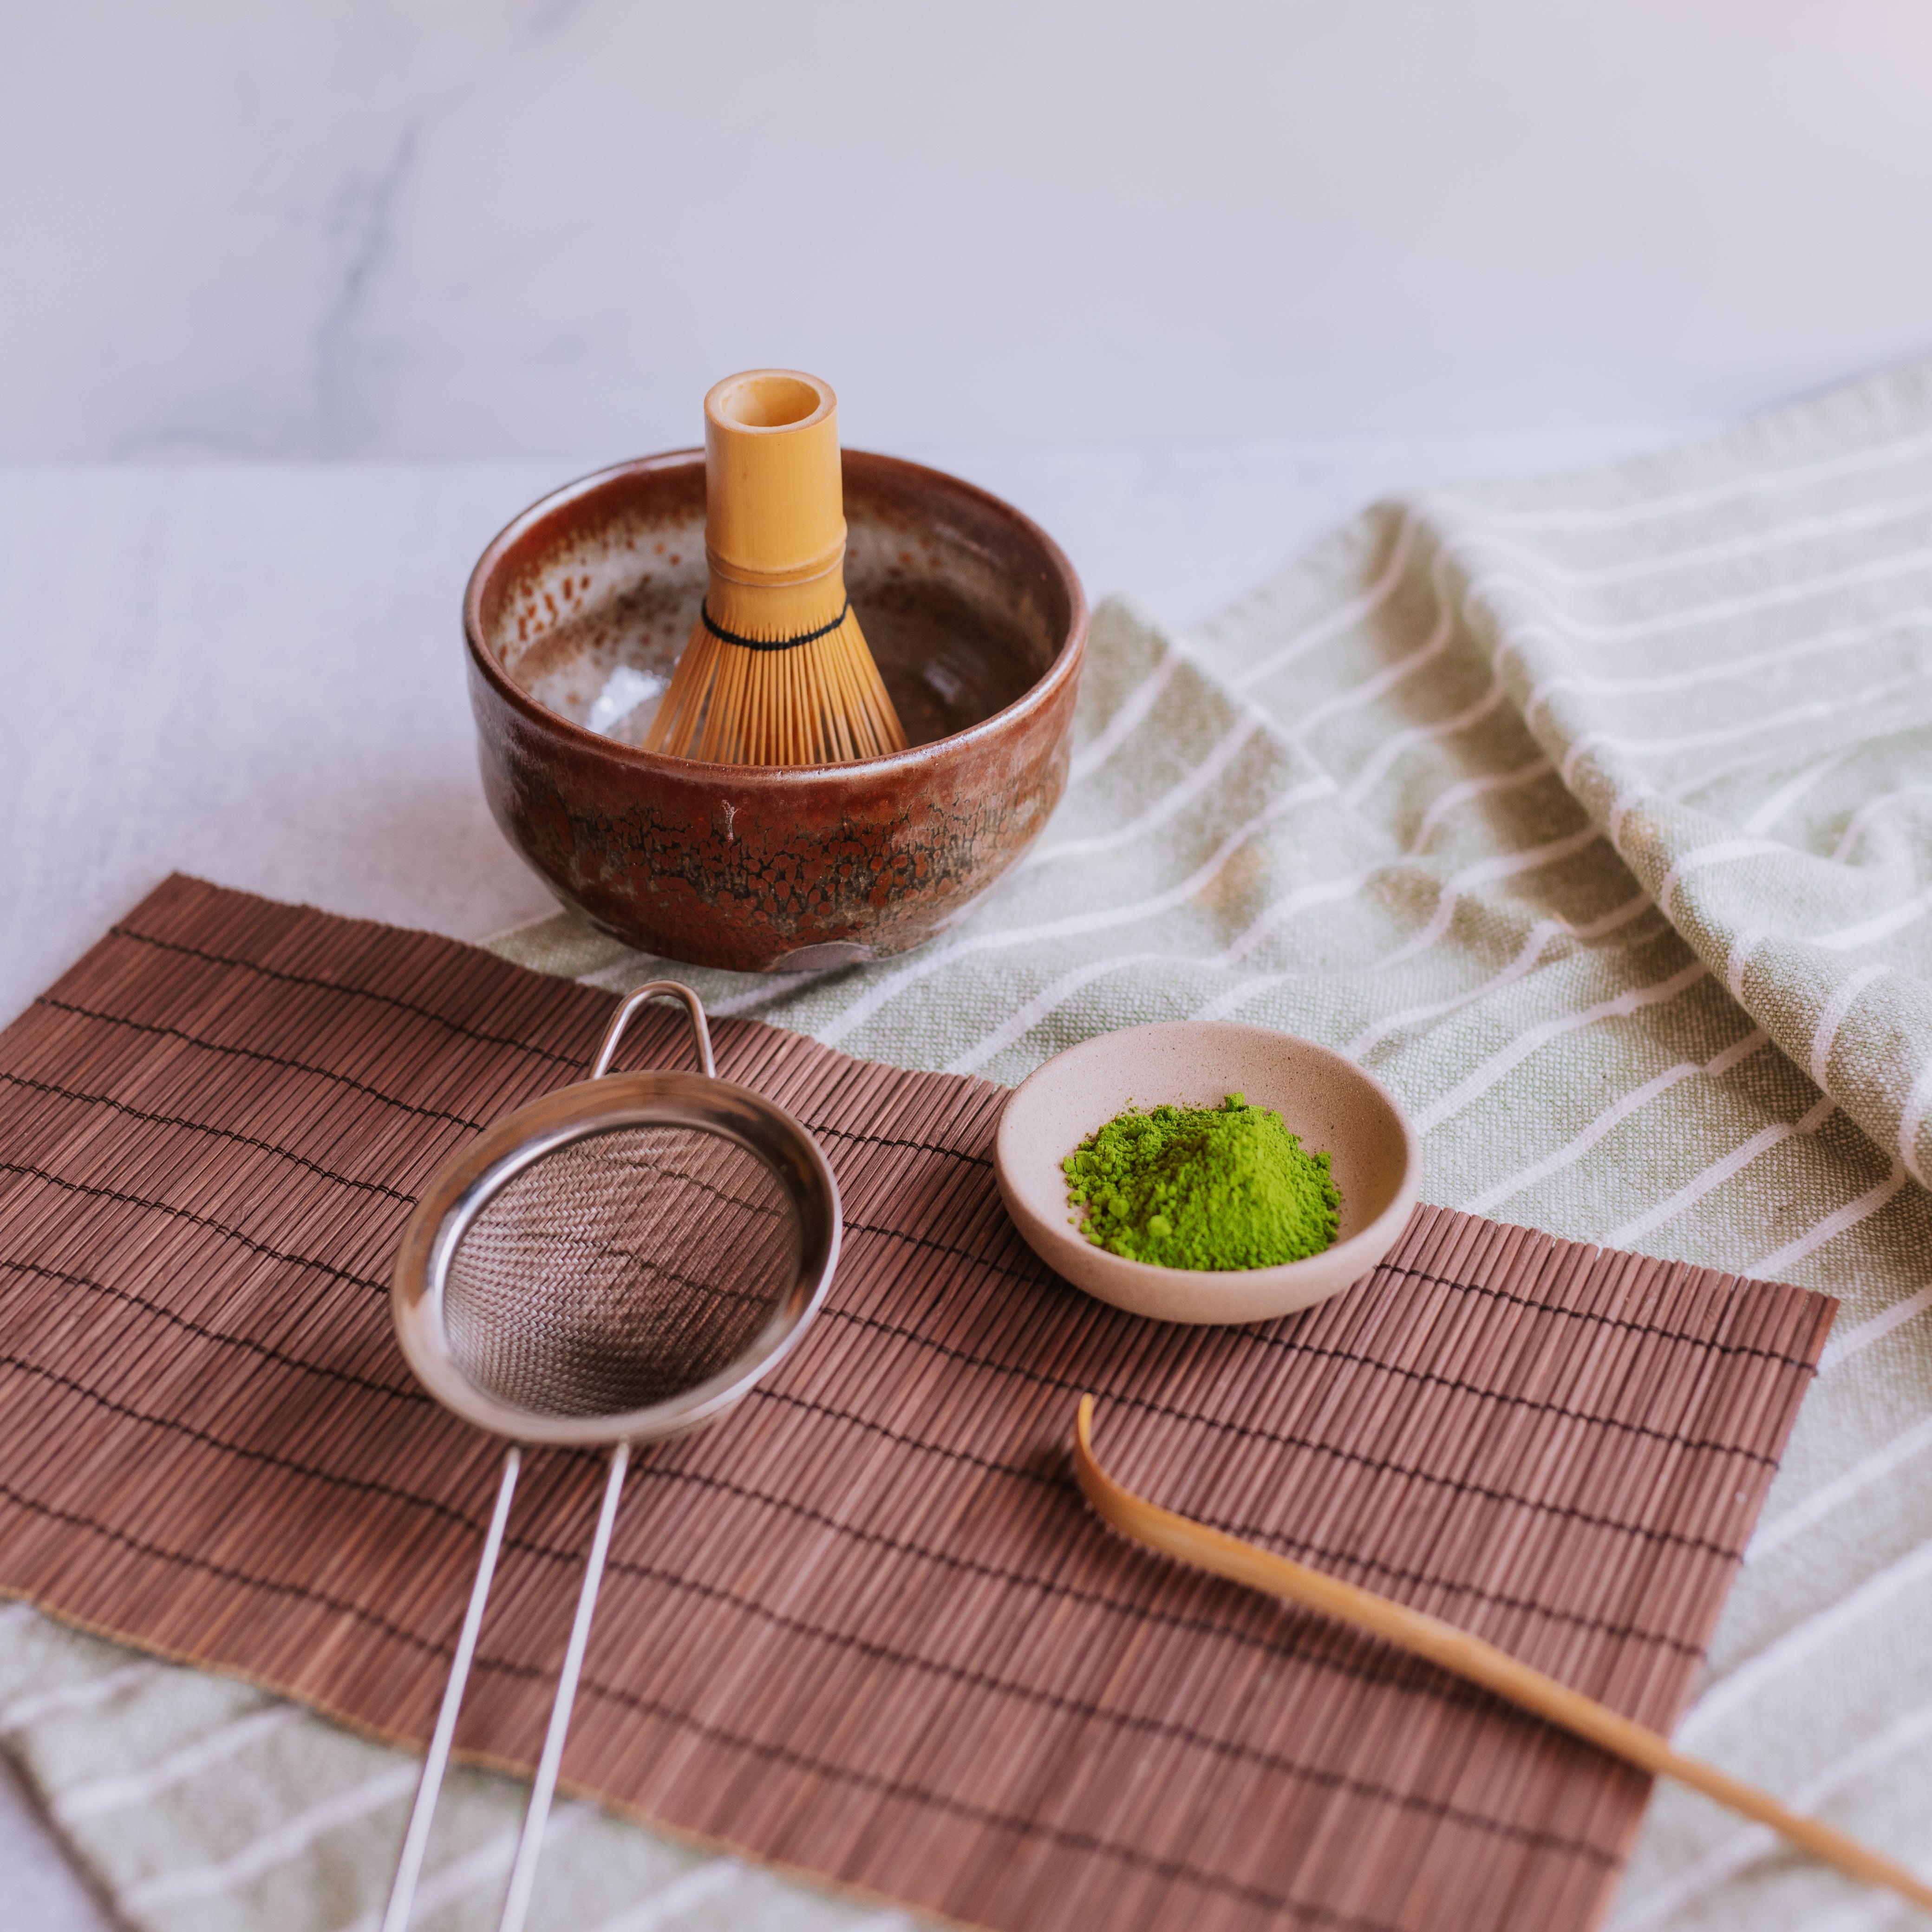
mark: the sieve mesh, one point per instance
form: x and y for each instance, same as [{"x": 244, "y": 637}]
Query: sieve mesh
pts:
[{"x": 620, "y": 1270}]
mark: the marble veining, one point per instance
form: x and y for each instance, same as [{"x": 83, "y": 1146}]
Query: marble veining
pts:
[{"x": 412, "y": 229}]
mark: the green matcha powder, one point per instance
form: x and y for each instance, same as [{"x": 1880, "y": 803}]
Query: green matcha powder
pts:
[{"x": 1203, "y": 1187}]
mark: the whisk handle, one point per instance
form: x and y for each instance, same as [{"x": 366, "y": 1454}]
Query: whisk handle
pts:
[
  {"x": 635, "y": 998},
  {"x": 409, "y": 1866},
  {"x": 530, "y": 1845}
]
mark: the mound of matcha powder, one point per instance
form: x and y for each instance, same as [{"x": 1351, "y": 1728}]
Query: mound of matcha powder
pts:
[{"x": 1203, "y": 1187}]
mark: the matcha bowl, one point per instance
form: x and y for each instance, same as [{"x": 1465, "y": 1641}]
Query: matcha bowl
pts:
[
  {"x": 1329, "y": 1102},
  {"x": 574, "y": 619}
]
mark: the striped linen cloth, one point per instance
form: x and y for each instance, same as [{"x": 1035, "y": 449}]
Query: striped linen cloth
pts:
[{"x": 1595, "y": 815}]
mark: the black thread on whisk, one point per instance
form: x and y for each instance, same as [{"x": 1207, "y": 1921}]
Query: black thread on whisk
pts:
[{"x": 724, "y": 636}]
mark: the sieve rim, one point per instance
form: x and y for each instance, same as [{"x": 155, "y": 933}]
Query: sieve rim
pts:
[{"x": 476, "y": 1173}]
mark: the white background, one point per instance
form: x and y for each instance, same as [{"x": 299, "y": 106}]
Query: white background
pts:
[
  {"x": 1187, "y": 281},
  {"x": 490, "y": 228}
]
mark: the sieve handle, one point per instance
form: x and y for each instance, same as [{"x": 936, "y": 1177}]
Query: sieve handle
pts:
[
  {"x": 635, "y": 998},
  {"x": 409, "y": 1866},
  {"x": 530, "y": 1843}
]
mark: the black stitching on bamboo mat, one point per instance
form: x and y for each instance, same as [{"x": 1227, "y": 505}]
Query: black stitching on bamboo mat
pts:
[
  {"x": 266, "y": 1059},
  {"x": 1004, "y": 1686},
  {"x": 825, "y": 1768},
  {"x": 1332, "y": 1780},
  {"x": 95, "y": 1191},
  {"x": 398, "y": 1391},
  {"x": 1696, "y": 1445},
  {"x": 1197, "y": 1626},
  {"x": 1303, "y": 1550},
  {"x": 410, "y": 1393},
  {"x": 1202, "y": 1625},
  {"x": 764, "y": 1613},
  {"x": 255, "y": 967},
  {"x": 487, "y": 1664},
  {"x": 896, "y": 1546},
  {"x": 576, "y": 1061},
  {"x": 1556, "y": 1311},
  {"x": 898, "y": 1140},
  {"x": 225, "y": 1573},
  {"x": 1022, "y": 1472},
  {"x": 1029, "y": 1270},
  {"x": 240, "y": 1139},
  {"x": 174, "y": 1426}
]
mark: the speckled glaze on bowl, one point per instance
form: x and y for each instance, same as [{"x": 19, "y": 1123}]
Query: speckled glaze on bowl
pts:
[
  {"x": 979, "y": 628},
  {"x": 1336, "y": 1108}
]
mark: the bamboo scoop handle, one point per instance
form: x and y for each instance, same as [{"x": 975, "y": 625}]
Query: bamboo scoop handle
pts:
[{"x": 1466, "y": 1656}]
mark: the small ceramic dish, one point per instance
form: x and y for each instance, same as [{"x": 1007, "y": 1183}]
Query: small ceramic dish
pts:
[{"x": 1330, "y": 1102}]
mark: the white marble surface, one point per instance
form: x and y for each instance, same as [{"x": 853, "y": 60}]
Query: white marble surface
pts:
[{"x": 434, "y": 229}]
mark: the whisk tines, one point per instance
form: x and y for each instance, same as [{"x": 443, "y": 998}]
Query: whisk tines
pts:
[{"x": 818, "y": 702}]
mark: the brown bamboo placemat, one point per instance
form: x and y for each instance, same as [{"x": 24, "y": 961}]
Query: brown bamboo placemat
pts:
[{"x": 865, "y": 1627}]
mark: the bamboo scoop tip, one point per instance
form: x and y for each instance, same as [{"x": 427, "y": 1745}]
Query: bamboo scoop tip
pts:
[
  {"x": 1120, "y": 1509},
  {"x": 1087, "y": 1471}
]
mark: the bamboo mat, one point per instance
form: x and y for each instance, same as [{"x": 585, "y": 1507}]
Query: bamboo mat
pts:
[{"x": 865, "y": 1627}]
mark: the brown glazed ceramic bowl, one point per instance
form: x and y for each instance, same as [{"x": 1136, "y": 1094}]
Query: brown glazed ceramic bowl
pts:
[{"x": 573, "y": 618}]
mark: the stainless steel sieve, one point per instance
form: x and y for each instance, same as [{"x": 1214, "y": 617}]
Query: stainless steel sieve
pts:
[{"x": 614, "y": 1264}]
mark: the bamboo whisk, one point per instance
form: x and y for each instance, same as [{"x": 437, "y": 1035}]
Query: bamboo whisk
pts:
[{"x": 777, "y": 671}]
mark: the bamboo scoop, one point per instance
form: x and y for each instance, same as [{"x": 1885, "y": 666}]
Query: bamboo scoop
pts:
[
  {"x": 777, "y": 671},
  {"x": 1465, "y": 1656}
]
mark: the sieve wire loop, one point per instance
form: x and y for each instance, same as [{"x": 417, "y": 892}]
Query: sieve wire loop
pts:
[{"x": 607, "y": 1050}]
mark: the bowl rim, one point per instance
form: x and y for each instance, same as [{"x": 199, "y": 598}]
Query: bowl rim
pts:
[
  {"x": 1037, "y": 696},
  {"x": 1142, "y": 1284}
]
